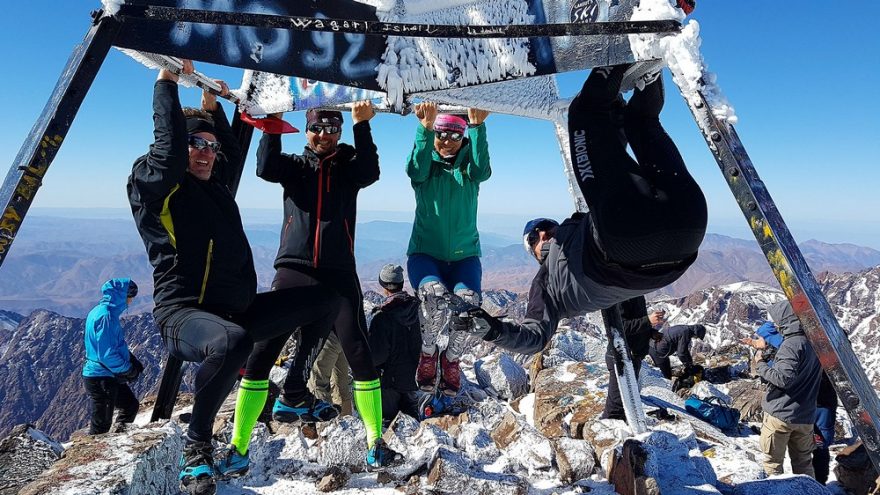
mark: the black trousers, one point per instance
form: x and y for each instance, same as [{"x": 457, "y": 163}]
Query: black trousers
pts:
[
  {"x": 394, "y": 401},
  {"x": 613, "y": 400},
  {"x": 647, "y": 214},
  {"x": 222, "y": 343},
  {"x": 661, "y": 362},
  {"x": 108, "y": 394},
  {"x": 350, "y": 325}
]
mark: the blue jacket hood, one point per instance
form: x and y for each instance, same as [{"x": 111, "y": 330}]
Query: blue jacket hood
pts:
[{"x": 114, "y": 293}]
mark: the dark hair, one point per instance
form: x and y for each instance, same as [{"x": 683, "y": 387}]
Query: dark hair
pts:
[
  {"x": 132, "y": 289},
  {"x": 198, "y": 113}
]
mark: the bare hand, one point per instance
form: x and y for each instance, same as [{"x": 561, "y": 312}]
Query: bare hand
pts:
[
  {"x": 168, "y": 75},
  {"x": 209, "y": 100},
  {"x": 657, "y": 318},
  {"x": 362, "y": 111},
  {"x": 427, "y": 114},
  {"x": 759, "y": 356},
  {"x": 477, "y": 116}
]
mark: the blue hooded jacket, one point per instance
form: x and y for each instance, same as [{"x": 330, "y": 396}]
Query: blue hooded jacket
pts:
[
  {"x": 770, "y": 334},
  {"x": 106, "y": 350}
]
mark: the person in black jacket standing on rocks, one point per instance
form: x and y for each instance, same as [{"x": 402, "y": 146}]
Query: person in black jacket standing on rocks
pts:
[
  {"x": 676, "y": 340},
  {"x": 638, "y": 330},
  {"x": 396, "y": 341},
  {"x": 205, "y": 285}
]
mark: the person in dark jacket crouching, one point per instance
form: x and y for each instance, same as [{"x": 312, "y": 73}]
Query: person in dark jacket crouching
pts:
[
  {"x": 676, "y": 340},
  {"x": 646, "y": 220},
  {"x": 396, "y": 341},
  {"x": 205, "y": 286},
  {"x": 110, "y": 366},
  {"x": 790, "y": 403}
]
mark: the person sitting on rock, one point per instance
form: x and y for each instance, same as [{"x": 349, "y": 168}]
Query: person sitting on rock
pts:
[
  {"x": 645, "y": 224},
  {"x": 676, "y": 340},
  {"x": 396, "y": 340},
  {"x": 110, "y": 366}
]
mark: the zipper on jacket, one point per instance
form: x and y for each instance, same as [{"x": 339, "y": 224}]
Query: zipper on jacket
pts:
[
  {"x": 350, "y": 238},
  {"x": 320, "y": 204},
  {"x": 207, "y": 270}
]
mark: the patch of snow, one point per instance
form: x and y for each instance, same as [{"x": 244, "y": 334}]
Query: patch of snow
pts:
[{"x": 111, "y": 7}]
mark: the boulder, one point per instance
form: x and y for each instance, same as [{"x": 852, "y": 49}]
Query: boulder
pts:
[
  {"x": 746, "y": 396},
  {"x": 566, "y": 391},
  {"x": 658, "y": 462},
  {"x": 342, "y": 442},
  {"x": 419, "y": 444},
  {"x": 782, "y": 485},
  {"x": 334, "y": 479},
  {"x": 501, "y": 376},
  {"x": 133, "y": 463},
  {"x": 575, "y": 459},
  {"x": 24, "y": 454},
  {"x": 452, "y": 473},
  {"x": 523, "y": 443}
]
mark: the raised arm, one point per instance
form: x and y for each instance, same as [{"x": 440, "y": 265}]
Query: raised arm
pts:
[
  {"x": 479, "y": 168},
  {"x": 229, "y": 169},
  {"x": 418, "y": 166},
  {"x": 364, "y": 168},
  {"x": 275, "y": 166}
]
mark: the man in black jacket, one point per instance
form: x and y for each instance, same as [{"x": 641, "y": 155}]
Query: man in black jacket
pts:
[
  {"x": 676, "y": 340},
  {"x": 638, "y": 329},
  {"x": 396, "y": 341},
  {"x": 646, "y": 221},
  {"x": 205, "y": 297},
  {"x": 321, "y": 187}
]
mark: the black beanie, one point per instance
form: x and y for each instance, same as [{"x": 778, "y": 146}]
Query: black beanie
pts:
[
  {"x": 195, "y": 125},
  {"x": 132, "y": 289},
  {"x": 329, "y": 117}
]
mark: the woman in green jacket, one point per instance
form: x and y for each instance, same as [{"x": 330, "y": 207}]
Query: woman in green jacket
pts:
[{"x": 448, "y": 162}]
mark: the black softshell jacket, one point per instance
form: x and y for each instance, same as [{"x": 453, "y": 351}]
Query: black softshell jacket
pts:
[
  {"x": 396, "y": 341},
  {"x": 320, "y": 198},
  {"x": 191, "y": 228}
]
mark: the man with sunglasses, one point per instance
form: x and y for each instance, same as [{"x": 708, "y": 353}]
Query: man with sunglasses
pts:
[
  {"x": 205, "y": 285},
  {"x": 646, "y": 220},
  {"x": 320, "y": 190},
  {"x": 449, "y": 161}
]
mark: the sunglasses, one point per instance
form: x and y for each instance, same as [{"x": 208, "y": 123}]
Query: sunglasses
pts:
[
  {"x": 452, "y": 136},
  {"x": 200, "y": 143},
  {"x": 326, "y": 129}
]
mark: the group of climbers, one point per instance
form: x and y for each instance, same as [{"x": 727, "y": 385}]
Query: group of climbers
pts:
[{"x": 205, "y": 292}]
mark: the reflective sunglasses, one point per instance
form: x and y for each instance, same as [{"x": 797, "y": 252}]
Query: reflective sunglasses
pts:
[
  {"x": 327, "y": 129},
  {"x": 452, "y": 136},
  {"x": 200, "y": 143}
]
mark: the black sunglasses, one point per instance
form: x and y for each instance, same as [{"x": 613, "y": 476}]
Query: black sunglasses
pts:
[
  {"x": 327, "y": 129},
  {"x": 452, "y": 136},
  {"x": 201, "y": 143}
]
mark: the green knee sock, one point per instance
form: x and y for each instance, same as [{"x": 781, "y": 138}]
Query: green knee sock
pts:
[
  {"x": 368, "y": 399},
  {"x": 252, "y": 396}
]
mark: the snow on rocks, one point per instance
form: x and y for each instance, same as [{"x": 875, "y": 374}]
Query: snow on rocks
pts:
[
  {"x": 24, "y": 454},
  {"x": 502, "y": 377},
  {"x": 704, "y": 390},
  {"x": 341, "y": 442},
  {"x": 576, "y": 459},
  {"x": 453, "y": 473},
  {"x": 140, "y": 461},
  {"x": 522, "y": 443},
  {"x": 782, "y": 485}
]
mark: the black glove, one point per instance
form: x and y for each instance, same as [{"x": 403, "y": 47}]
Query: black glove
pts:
[
  {"x": 133, "y": 372},
  {"x": 466, "y": 317}
]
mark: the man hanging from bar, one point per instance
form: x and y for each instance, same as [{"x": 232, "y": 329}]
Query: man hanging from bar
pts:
[{"x": 646, "y": 221}]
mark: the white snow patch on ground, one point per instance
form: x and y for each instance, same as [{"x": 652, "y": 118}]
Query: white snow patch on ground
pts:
[{"x": 527, "y": 408}]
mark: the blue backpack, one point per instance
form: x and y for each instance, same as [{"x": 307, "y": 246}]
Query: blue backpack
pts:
[{"x": 714, "y": 411}]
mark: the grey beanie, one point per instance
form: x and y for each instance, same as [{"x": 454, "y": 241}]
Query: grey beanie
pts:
[{"x": 391, "y": 275}]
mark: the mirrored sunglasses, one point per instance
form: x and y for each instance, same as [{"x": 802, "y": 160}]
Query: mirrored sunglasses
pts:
[
  {"x": 452, "y": 136},
  {"x": 327, "y": 129},
  {"x": 200, "y": 143}
]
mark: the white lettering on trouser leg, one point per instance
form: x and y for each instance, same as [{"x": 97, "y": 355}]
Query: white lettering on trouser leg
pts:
[{"x": 433, "y": 314}]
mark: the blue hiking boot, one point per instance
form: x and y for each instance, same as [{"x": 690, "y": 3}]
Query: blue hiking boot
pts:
[
  {"x": 317, "y": 412},
  {"x": 197, "y": 469},
  {"x": 381, "y": 456},
  {"x": 230, "y": 464}
]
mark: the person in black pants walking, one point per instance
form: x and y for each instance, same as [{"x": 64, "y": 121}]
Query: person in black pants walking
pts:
[
  {"x": 638, "y": 330},
  {"x": 205, "y": 285},
  {"x": 645, "y": 224}
]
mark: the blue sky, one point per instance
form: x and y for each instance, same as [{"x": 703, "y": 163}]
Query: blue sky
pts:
[{"x": 802, "y": 82}]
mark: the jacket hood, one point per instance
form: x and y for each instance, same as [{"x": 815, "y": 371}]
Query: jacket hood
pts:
[
  {"x": 402, "y": 307},
  {"x": 114, "y": 294},
  {"x": 783, "y": 316}
]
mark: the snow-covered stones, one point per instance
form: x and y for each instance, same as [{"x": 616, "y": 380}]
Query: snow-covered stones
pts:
[
  {"x": 418, "y": 443},
  {"x": 501, "y": 376},
  {"x": 785, "y": 485},
  {"x": 574, "y": 346},
  {"x": 575, "y": 459},
  {"x": 565, "y": 401},
  {"x": 341, "y": 442},
  {"x": 136, "y": 462},
  {"x": 451, "y": 472},
  {"x": 704, "y": 390},
  {"x": 522, "y": 443},
  {"x": 24, "y": 454},
  {"x": 659, "y": 463}
]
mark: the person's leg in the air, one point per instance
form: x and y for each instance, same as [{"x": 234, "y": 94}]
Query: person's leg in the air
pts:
[
  {"x": 425, "y": 275},
  {"x": 465, "y": 276}
]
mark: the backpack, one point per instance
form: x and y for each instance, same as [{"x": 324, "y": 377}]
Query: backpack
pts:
[{"x": 713, "y": 410}]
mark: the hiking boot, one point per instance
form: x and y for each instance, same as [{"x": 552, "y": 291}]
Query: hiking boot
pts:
[
  {"x": 380, "y": 456},
  {"x": 197, "y": 469},
  {"x": 307, "y": 411},
  {"x": 228, "y": 463},
  {"x": 450, "y": 376},
  {"x": 426, "y": 374},
  {"x": 641, "y": 74}
]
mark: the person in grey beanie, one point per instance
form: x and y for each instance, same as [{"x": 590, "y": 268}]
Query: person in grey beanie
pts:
[{"x": 396, "y": 341}]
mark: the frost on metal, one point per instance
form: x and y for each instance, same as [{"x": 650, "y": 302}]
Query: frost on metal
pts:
[{"x": 111, "y": 7}]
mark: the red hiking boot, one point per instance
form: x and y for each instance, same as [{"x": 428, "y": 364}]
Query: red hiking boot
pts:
[
  {"x": 450, "y": 376},
  {"x": 426, "y": 373}
]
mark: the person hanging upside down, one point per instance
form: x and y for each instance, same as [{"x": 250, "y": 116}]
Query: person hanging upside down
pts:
[{"x": 646, "y": 221}]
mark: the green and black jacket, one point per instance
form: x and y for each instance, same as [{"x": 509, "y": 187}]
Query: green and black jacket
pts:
[{"x": 191, "y": 228}]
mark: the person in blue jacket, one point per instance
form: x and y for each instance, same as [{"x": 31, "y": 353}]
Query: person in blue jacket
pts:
[{"x": 110, "y": 366}]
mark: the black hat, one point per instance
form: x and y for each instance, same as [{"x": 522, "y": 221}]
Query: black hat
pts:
[
  {"x": 328, "y": 117},
  {"x": 132, "y": 289},
  {"x": 195, "y": 125}
]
